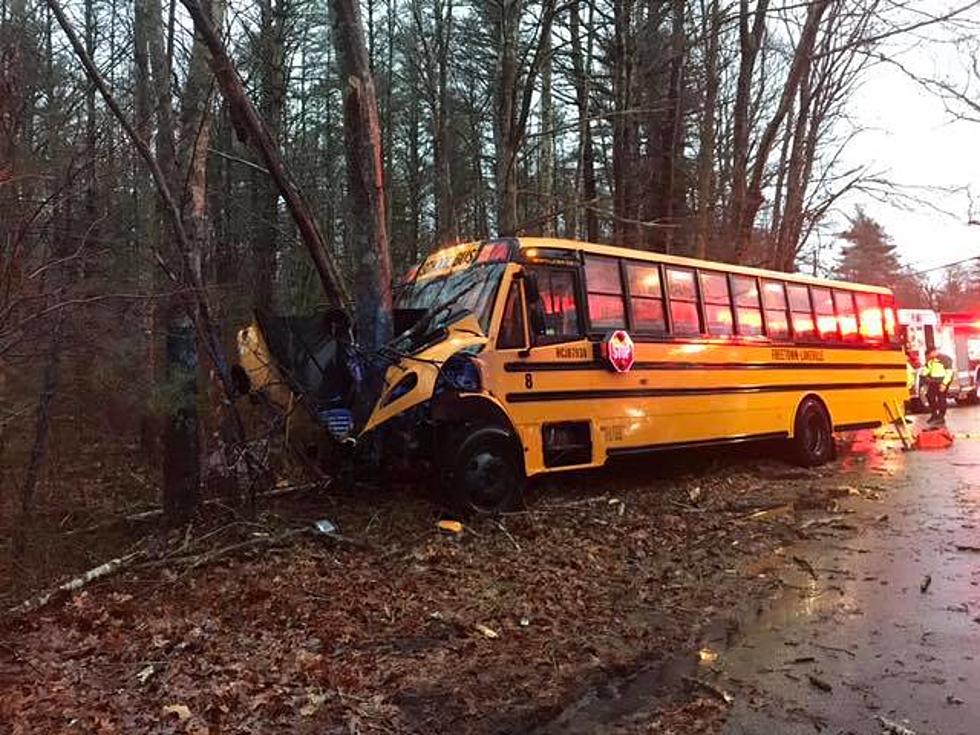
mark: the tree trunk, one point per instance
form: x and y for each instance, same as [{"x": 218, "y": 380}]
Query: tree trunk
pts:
[
  {"x": 272, "y": 100},
  {"x": 710, "y": 31},
  {"x": 505, "y": 129},
  {"x": 447, "y": 227},
  {"x": 624, "y": 123},
  {"x": 546, "y": 166},
  {"x": 750, "y": 40},
  {"x": 582, "y": 67},
  {"x": 181, "y": 466},
  {"x": 368, "y": 236}
]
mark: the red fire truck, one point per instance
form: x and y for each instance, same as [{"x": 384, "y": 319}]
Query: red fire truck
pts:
[{"x": 964, "y": 340}]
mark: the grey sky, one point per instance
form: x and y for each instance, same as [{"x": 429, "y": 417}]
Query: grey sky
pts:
[{"x": 912, "y": 140}]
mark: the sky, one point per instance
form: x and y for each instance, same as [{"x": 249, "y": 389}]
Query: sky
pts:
[{"x": 910, "y": 137}]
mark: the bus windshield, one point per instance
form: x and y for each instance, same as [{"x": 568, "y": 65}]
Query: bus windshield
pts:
[{"x": 442, "y": 299}]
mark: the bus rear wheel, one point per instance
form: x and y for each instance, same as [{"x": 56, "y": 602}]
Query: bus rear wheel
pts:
[
  {"x": 813, "y": 438},
  {"x": 486, "y": 476}
]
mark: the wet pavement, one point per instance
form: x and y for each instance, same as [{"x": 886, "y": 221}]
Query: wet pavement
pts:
[{"x": 884, "y": 623}]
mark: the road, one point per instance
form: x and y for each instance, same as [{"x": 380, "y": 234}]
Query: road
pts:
[{"x": 858, "y": 638}]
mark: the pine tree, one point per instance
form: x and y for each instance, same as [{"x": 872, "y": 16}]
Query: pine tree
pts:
[{"x": 870, "y": 256}]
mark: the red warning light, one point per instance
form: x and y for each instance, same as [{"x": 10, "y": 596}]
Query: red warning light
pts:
[{"x": 619, "y": 350}]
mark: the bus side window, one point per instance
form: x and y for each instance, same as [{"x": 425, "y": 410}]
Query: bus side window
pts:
[
  {"x": 846, "y": 316},
  {"x": 646, "y": 297},
  {"x": 774, "y": 301},
  {"x": 684, "y": 316},
  {"x": 804, "y": 327},
  {"x": 511, "y": 333},
  {"x": 554, "y": 314},
  {"x": 717, "y": 303},
  {"x": 870, "y": 317},
  {"x": 604, "y": 289},
  {"x": 748, "y": 314},
  {"x": 823, "y": 307}
]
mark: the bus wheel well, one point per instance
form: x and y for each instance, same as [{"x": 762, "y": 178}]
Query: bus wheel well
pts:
[
  {"x": 457, "y": 416},
  {"x": 804, "y": 400}
]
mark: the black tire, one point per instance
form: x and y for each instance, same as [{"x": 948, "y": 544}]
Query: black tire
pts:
[
  {"x": 486, "y": 475},
  {"x": 813, "y": 435}
]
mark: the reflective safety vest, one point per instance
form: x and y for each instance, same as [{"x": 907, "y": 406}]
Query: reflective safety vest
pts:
[
  {"x": 909, "y": 376},
  {"x": 936, "y": 369}
]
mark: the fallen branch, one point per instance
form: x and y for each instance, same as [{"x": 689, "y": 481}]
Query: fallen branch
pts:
[
  {"x": 834, "y": 648},
  {"x": 103, "y": 570}
]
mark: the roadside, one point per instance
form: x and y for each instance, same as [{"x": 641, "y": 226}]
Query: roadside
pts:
[
  {"x": 887, "y": 627},
  {"x": 509, "y": 627}
]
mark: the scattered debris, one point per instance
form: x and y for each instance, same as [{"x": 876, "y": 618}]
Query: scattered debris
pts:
[
  {"x": 486, "y": 632},
  {"x": 721, "y": 694},
  {"x": 146, "y": 673},
  {"x": 182, "y": 711},
  {"x": 950, "y": 699},
  {"x": 968, "y": 547},
  {"x": 820, "y": 683},
  {"x": 325, "y": 527},
  {"x": 707, "y": 655},
  {"x": 926, "y": 581},
  {"x": 805, "y": 566},
  {"x": 694, "y": 494},
  {"x": 893, "y": 728},
  {"x": 836, "y": 649},
  {"x": 453, "y": 527},
  {"x": 802, "y": 660}
]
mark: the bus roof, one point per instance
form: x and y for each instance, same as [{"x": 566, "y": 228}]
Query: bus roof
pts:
[{"x": 526, "y": 243}]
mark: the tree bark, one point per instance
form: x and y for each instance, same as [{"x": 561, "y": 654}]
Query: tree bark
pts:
[
  {"x": 546, "y": 166},
  {"x": 368, "y": 236}
]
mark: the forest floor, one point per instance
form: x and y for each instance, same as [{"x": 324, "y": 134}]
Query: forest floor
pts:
[{"x": 533, "y": 622}]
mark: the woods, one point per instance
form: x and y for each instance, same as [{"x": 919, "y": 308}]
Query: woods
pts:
[{"x": 167, "y": 168}]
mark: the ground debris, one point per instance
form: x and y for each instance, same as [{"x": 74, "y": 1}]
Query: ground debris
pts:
[
  {"x": 805, "y": 566},
  {"x": 926, "y": 581},
  {"x": 819, "y": 683},
  {"x": 893, "y": 728},
  {"x": 721, "y": 694}
]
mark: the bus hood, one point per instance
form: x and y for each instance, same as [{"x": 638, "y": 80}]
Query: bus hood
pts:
[{"x": 412, "y": 380}]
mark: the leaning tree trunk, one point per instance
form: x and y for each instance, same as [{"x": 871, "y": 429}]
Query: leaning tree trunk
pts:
[{"x": 368, "y": 236}]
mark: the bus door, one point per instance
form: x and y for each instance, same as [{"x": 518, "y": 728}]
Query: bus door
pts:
[{"x": 543, "y": 378}]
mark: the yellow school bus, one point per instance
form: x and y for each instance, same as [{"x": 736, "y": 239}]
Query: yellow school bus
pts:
[{"x": 520, "y": 357}]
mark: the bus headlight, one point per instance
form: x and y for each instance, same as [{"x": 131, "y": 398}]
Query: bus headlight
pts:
[{"x": 459, "y": 373}]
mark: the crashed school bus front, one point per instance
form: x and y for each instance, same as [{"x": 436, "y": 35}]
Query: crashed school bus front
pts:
[{"x": 516, "y": 358}]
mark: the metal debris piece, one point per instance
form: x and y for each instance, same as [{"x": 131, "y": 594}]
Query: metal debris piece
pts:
[
  {"x": 487, "y": 632},
  {"x": 325, "y": 526}
]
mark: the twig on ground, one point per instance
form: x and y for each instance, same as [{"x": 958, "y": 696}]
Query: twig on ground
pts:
[
  {"x": 506, "y": 533},
  {"x": 893, "y": 728},
  {"x": 103, "y": 570},
  {"x": 834, "y": 648}
]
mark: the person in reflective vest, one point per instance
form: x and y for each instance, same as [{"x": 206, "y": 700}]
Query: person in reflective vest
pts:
[{"x": 938, "y": 375}]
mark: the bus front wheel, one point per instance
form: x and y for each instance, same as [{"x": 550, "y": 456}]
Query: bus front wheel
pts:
[
  {"x": 486, "y": 476},
  {"x": 813, "y": 438}
]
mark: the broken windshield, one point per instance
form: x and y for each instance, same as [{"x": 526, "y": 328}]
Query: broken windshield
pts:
[{"x": 443, "y": 298}]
